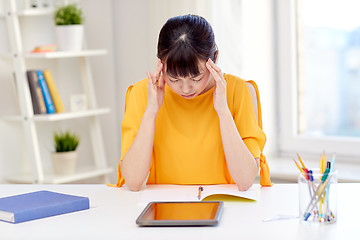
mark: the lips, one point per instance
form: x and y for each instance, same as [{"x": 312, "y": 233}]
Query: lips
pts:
[{"x": 188, "y": 96}]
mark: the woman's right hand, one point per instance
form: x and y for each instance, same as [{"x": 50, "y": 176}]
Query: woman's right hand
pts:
[{"x": 155, "y": 89}]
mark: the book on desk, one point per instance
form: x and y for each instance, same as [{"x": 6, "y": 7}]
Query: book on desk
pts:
[
  {"x": 219, "y": 192},
  {"x": 40, "y": 204}
]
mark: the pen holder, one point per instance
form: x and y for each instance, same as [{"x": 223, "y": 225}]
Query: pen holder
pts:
[{"x": 318, "y": 197}]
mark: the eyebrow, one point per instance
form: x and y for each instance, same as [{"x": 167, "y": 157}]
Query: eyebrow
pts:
[
  {"x": 191, "y": 76},
  {"x": 199, "y": 74}
]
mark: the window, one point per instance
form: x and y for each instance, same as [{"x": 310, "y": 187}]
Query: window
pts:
[
  {"x": 319, "y": 76},
  {"x": 328, "y": 67}
]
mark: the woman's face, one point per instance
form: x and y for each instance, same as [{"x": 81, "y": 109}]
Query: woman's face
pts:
[{"x": 190, "y": 87}]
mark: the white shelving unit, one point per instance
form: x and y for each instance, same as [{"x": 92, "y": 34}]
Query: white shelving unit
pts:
[
  {"x": 62, "y": 116},
  {"x": 29, "y": 121},
  {"x": 58, "y": 54}
]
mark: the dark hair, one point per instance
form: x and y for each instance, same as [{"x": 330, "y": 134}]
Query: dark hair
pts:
[{"x": 183, "y": 41}]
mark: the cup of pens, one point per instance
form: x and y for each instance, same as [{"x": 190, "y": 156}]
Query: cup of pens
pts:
[{"x": 318, "y": 196}]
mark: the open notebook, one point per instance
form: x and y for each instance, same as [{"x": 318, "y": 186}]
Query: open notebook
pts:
[{"x": 169, "y": 193}]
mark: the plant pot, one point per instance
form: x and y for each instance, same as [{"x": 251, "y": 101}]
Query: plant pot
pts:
[
  {"x": 64, "y": 163},
  {"x": 69, "y": 37}
]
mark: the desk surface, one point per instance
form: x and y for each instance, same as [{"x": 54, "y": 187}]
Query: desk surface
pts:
[{"x": 113, "y": 212}]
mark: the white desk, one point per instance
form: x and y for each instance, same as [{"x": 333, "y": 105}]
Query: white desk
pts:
[{"x": 114, "y": 210}]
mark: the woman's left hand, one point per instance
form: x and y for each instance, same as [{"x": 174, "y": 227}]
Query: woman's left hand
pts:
[{"x": 220, "y": 100}]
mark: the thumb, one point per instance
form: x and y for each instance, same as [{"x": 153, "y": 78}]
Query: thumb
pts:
[{"x": 149, "y": 77}]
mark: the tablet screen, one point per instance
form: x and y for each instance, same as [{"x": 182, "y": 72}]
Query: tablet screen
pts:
[{"x": 180, "y": 213}]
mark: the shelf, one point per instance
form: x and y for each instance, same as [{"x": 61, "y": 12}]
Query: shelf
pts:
[
  {"x": 60, "y": 54},
  {"x": 67, "y": 54},
  {"x": 59, "y": 179},
  {"x": 70, "y": 115},
  {"x": 32, "y": 12},
  {"x": 62, "y": 116},
  {"x": 36, "y": 12}
]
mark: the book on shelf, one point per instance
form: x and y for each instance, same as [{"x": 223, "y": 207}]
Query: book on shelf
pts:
[
  {"x": 59, "y": 106},
  {"x": 50, "y": 107},
  {"x": 44, "y": 48},
  {"x": 36, "y": 93},
  {"x": 39, "y": 204}
]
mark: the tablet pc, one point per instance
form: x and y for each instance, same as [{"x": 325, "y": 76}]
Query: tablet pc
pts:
[{"x": 181, "y": 214}]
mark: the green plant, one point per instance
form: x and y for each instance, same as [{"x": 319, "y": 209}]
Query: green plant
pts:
[
  {"x": 66, "y": 141},
  {"x": 69, "y": 15}
]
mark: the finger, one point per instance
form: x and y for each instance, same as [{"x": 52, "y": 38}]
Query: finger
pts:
[
  {"x": 213, "y": 65},
  {"x": 162, "y": 81},
  {"x": 150, "y": 80},
  {"x": 157, "y": 71},
  {"x": 159, "y": 66},
  {"x": 213, "y": 72},
  {"x": 148, "y": 75}
]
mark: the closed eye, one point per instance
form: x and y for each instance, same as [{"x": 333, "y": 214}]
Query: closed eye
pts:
[
  {"x": 196, "y": 79},
  {"x": 173, "y": 80}
]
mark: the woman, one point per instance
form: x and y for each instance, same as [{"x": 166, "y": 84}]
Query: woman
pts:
[{"x": 188, "y": 123}]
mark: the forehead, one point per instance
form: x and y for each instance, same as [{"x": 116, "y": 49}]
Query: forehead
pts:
[{"x": 201, "y": 66}]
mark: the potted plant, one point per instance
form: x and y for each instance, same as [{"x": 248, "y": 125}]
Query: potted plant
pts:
[
  {"x": 69, "y": 29},
  {"x": 65, "y": 155}
]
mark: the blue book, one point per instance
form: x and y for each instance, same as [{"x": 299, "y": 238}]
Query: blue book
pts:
[
  {"x": 50, "y": 107},
  {"x": 40, "y": 204}
]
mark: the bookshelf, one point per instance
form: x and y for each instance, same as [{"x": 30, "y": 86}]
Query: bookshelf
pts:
[
  {"x": 32, "y": 123},
  {"x": 62, "y": 116},
  {"x": 58, "y": 54}
]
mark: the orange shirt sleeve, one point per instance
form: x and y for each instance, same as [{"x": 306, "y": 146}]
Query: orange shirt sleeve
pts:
[
  {"x": 135, "y": 105},
  {"x": 245, "y": 119},
  {"x": 249, "y": 129}
]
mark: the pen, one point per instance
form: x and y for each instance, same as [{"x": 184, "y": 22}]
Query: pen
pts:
[
  {"x": 306, "y": 173},
  {"x": 333, "y": 162},
  {"x": 316, "y": 198},
  {"x": 199, "y": 192},
  {"x": 311, "y": 178},
  {"x": 307, "y": 177},
  {"x": 319, "y": 192},
  {"x": 323, "y": 163}
]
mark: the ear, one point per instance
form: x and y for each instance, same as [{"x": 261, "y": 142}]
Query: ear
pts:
[{"x": 216, "y": 56}]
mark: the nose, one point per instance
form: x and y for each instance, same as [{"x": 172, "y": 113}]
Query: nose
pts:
[{"x": 186, "y": 87}]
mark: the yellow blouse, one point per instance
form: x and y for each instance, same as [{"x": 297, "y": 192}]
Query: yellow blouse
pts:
[{"x": 187, "y": 142}]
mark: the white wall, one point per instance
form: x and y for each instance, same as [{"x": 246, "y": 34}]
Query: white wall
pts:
[
  {"x": 132, "y": 46},
  {"x": 100, "y": 25}
]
